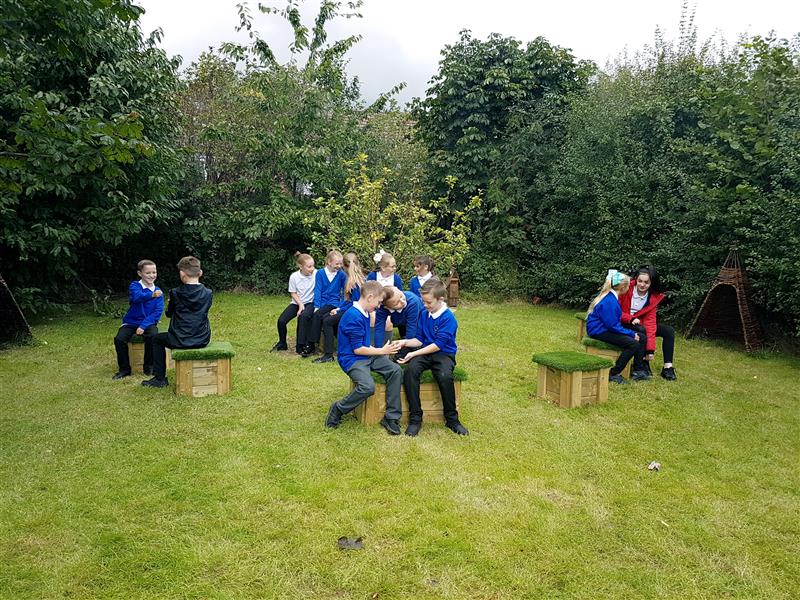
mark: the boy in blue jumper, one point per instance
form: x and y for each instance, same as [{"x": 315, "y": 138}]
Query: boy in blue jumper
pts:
[
  {"x": 402, "y": 309},
  {"x": 146, "y": 305},
  {"x": 436, "y": 350},
  {"x": 603, "y": 322},
  {"x": 328, "y": 291},
  {"x": 357, "y": 357}
]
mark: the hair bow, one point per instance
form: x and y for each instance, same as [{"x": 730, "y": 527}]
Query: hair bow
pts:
[
  {"x": 615, "y": 277},
  {"x": 379, "y": 255}
]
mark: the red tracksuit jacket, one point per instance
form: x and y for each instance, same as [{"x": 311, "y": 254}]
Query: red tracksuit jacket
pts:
[{"x": 647, "y": 314}]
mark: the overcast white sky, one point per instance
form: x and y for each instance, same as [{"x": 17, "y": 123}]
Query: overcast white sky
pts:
[{"x": 403, "y": 38}]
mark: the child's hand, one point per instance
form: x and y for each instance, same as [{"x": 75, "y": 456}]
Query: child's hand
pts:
[
  {"x": 157, "y": 294},
  {"x": 139, "y": 331},
  {"x": 636, "y": 336},
  {"x": 635, "y": 322},
  {"x": 334, "y": 311},
  {"x": 300, "y": 308},
  {"x": 405, "y": 359},
  {"x": 390, "y": 348},
  {"x": 649, "y": 357}
]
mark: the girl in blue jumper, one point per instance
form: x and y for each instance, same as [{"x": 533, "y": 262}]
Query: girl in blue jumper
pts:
[
  {"x": 352, "y": 292},
  {"x": 328, "y": 287},
  {"x": 603, "y": 322},
  {"x": 423, "y": 267},
  {"x": 385, "y": 272}
]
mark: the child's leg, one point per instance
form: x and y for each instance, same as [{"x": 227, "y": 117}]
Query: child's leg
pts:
[
  {"x": 289, "y": 313},
  {"x": 316, "y": 323},
  {"x": 414, "y": 369},
  {"x": 667, "y": 335},
  {"x": 149, "y": 333},
  {"x": 304, "y": 326},
  {"x": 121, "y": 340},
  {"x": 160, "y": 344},
  {"x": 629, "y": 347},
  {"x": 330, "y": 324},
  {"x": 442, "y": 366},
  {"x": 393, "y": 376},
  {"x": 364, "y": 387}
]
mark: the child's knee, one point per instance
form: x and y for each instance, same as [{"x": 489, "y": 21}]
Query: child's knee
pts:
[
  {"x": 443, "y": 376},
  {"x": 365, "y": 388}
]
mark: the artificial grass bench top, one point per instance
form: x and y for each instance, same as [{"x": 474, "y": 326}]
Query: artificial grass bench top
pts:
[
  {"x": 211, "y": 352},
  {"x": 581, "y": 316},
  {"x": 569, "y": 361},
  {"x": 590, "y": 341},
  {"x": 459, "y": 374}
]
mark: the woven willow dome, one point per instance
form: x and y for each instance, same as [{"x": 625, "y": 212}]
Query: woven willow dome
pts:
[{"x": 728, "y": 311}]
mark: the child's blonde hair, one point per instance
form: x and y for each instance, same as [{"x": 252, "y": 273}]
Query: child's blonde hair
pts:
[
  {"x": 332, "y": 255},
  {"x": 355, "y": 274},
  {"x": 301, "y": 259},
  {"x": 382, "y": 259},
  {"x": 621, "y": 287},
  {"x": 190, "y": 265}
]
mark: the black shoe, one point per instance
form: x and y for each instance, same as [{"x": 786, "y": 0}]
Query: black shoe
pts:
[
  {"x": 457, "y": 427},
  {"x": 647, "y": 368},
  {"x": 300, "y": 350},
  {"x": 413, "y": 429},
  {"x": 309, "y": 350},
  {"x": 391, "y": 425},
  {"x": 121, "y": 374},
  {"x": 334, "y": 417},
  {"x": 147, "y": 371},
  {"x": 641, "y": 376},
  {"x": 324, "y": 358},
  {"x": 668, "y": 373},
  {"x": 617, "y": 379},
  {"x": 279, "y": 347},
  {"x": 156, "y": 382}
]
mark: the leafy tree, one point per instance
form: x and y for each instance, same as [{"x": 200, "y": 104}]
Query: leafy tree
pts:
[{"x": 87, "y": 127}]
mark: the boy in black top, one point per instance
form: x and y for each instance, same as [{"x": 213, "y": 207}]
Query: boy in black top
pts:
[{"x": 188, "y": 312}]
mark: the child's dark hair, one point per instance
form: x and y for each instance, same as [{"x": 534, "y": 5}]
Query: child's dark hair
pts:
[
  {"x": 655, "y": 280},
  {"x": 433, "y": 287},
  {"x": 190, "y": 265},
  {"x": 144, "y": 263},
  {"x": 301, "y": 258},
  {"x": 424, "y": 260}
]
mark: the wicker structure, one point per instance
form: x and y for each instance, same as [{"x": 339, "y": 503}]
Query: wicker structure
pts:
[
  {"x": 13, "y": 326},
  {"x": 728, "y": 311}
]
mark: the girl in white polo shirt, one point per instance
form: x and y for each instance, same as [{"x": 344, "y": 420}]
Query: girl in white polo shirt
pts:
[{"x": 301, "y": 289}]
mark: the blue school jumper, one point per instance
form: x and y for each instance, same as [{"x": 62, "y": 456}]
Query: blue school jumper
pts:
[
  {"x": 353, "y": 334},
  {"x": 398, "y": 282},
  {"x": 328, "y": 293},
  {"x": 144, "y": 310},
  {"x": 606, "y": 318},
  {"x": 440, "y": 331},
  {"x": 409, "y": 317},
  {"x": 415, "y": 286}
]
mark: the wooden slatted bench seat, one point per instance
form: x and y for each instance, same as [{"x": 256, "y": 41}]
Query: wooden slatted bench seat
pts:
[
  {"x": 372, "y": 409},
  {"x": 203, "y": 371},
  {"x": 136, "y": 354},
  {"x": 598, "y": 348},
  {"x": 572, "y": 379}
]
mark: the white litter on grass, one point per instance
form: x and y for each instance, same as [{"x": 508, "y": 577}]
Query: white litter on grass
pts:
[{"x": 654, "y": 466}]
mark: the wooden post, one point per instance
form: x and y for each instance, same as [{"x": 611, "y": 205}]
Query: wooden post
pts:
[{"x": 452, "y": 289}]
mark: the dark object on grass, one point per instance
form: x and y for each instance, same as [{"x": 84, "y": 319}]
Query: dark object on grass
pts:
[
  {"x": 728, "y": 311},
  {"x": 14, "y": 329},
  {"x": 350, "y": 543}
]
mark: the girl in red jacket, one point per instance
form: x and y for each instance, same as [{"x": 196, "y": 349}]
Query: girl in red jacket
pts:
[{"x": 639, "y": 306}]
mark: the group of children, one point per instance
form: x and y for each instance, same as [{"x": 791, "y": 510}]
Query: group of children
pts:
[
  {"x": 339, "y": 301},
  {"x": 625, "y": 316},
  {"x": 187, "y": 309}
]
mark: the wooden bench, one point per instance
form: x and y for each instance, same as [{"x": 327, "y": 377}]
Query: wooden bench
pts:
[
  {"x": 371, "y": 411},
  {"x": 136, "y": 354},
  {"x": 598, "y": 348},
  {"x": 203, "y": 371},
  {"x": 581, "y": 316},
  {"x": 572, "y": 379}
]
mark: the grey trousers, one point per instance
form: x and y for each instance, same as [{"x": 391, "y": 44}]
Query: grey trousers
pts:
[{"x": 365, "y": 385}]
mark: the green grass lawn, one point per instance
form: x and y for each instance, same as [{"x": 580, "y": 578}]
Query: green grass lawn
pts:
[{"x": 111, "y": 490}]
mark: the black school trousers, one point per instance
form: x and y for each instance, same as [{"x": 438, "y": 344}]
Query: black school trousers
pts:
[
  {"x": 124, "y": 335},
  {"x": 330, "y": 325},
  {"x": 441, "y": 365},
  {"x": 630, "y": 348},
  {"x": 303, "y": 322},
  {"x": 161, "y": 342},
  {"x": 316, "y": 323}
]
